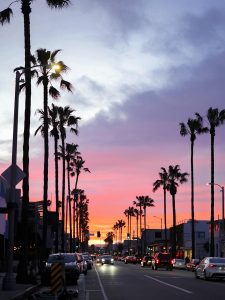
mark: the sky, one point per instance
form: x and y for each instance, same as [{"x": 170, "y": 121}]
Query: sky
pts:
[{"x": 138, "y": 68}]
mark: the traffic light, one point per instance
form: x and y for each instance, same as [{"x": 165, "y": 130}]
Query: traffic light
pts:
[{"x": 98, "y": 234}]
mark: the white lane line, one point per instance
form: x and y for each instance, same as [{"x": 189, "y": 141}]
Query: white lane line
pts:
[
  {"x": 101, "y": 286},
  {"x": 170, "y": 285}
]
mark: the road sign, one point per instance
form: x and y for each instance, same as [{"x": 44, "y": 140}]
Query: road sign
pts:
[
  {"x": 57, "y": 277},
  {"x": 19, "y": 174}
]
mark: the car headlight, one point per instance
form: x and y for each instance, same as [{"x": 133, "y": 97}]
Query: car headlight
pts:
[
  {"x": 112, "y": 260},
  {"x": 103, "y": 260}
]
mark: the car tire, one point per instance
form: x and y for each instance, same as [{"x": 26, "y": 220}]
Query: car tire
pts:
[{"x": 204, "y": 276}]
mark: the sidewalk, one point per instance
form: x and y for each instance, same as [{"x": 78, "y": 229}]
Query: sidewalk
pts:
[{"x": 19, "y": 293}]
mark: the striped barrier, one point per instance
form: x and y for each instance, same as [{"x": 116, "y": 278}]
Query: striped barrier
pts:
[{"x": 57, "y": 278}]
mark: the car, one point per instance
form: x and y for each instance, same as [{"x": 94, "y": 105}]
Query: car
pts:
[
  {"x": 98, "y": 259},
  {"x": 190, "y": 266},
  {"x": 179, "y": 264},
  {"x": 211, "y": 267},
  {"x": 107, "y": 259},
  {"x": 146, "y": 261},
  {"x": 82, "y": 263},
  {"x": 70, "y": 262},
  {"x": 162, "y": 260},
  {"x": 130, "y": 259},
  {"x": 88, "y": 259}
]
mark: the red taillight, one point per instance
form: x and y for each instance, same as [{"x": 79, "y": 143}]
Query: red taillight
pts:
[
  {"x": 157, "y": 260},
  {"x": 211, "y": 266},
  {"x": 172, "y": 261}
]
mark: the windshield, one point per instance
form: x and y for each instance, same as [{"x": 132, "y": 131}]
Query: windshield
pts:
[
  {"x": 61, "y": 258},
  {"x": 107, "y": 257},
  {"x": 217, "y": 260}
]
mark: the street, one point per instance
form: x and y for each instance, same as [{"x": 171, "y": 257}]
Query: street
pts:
[{"x": 126, "y": 281}]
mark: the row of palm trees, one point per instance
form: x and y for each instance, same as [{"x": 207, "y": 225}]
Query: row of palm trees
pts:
[
  {"x": 5, "y": 17},
  {"x": 169, "y": 179}
]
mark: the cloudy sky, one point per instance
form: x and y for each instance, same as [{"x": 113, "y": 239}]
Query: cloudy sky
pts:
[{"x": 139, "y": 68}]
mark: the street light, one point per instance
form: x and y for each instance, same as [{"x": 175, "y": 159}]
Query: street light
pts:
[
  {"x": 160, "y": 223},
  {"x": 222, "y": 191},
  {"x": 9, "y": 280}
]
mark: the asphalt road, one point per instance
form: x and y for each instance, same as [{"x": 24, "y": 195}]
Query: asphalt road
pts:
[{"x": 132, "y": 282}]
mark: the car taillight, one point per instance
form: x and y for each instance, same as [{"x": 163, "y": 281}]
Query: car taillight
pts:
[
  {"x": 172, "y": 261},
  {"x": 211, "y": 266},
  {"x": 157, "y": 260}
]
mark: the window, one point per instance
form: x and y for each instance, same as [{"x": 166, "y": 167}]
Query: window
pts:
[{"x": 201, "y": 235}]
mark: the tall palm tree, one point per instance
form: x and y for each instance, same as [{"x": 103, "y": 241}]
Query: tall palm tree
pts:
[
  {"x": 137, "y": 214},
  {"x": 163, "y": 181},
  {"x": 66, "y": 119},
  {"x": 138, "y": 203},
  {"x": 129, "y": 213},
  {"x": 71, "y": 152},
  {"x": 46, "y": 60},
  {"x": 77, "y": 166},
  {"x": 214, "y": 119},
  {"x": 121, "y": 224},
  {"x": 146, "y": 202},
  {"x": 5, "y": 17},
  {"x": 175, "y": 177},
  {"x": 54, "y": 131},
  {"x": 192, "y": 128}
]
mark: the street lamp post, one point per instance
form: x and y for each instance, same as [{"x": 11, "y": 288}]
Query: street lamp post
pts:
[
  {"x": 222, "y": 191},
  {"x": 9, "y": 281}
]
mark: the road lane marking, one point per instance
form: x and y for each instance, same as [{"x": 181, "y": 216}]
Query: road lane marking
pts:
[
  {"x": 170, "y": 285},
  {"x": 101, "y": 285}
]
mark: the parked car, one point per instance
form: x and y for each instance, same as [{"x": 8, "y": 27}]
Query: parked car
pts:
[
  {"x": 146, "y": 261},
  {"x": 130, "y": 259},
  {"x": 179, "y": 264},
  {"x": 190, "y": 266},
  {"x": 107, "y": 259},
  {"x": 82, "y": 263},
  {"x": 70, "y": 262},
  {"x": 88, "y": 259},
  {"x": 211, "y": 267},
  {"x": 162, "y": 260}
]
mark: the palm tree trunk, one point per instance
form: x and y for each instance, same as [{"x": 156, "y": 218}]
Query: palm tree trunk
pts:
[
  {"x": 137, "y": 232},
  {"x": 174, "y": 227},
  {"x": 22, "y": 272},
  {"x": 192, "y": 201},
  {"x": 145, "y": 229},
  {"x": 63, "y": 194},
  {"x": 45, "y": 191},
  {"x": 212, "y": 250},
  {"x": 56, "y": 194},
  {"x": 140, "y": 229},
  {"x": 69, "y": 202},
  {"x": 164, "y": 190}
]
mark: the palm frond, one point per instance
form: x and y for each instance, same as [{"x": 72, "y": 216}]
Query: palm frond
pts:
[
  {"x": 58, "y": 3},
  {"x": 66, "y": 85},
  {"x": 54, "y": 93},
  {"x": 53, "y": 54},
  {"x": 5, "y": 15}
]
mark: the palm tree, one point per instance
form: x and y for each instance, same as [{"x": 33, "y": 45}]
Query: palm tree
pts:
[
  {"x": 66, "y": 119},
  {"x": 192, "y": 128},
  {"x": 129, "y": 213},
  {"x": 137, "y": 214},
  {"x": 54, "y": 123},
  {"x": 5, "y": 17},
  {"x": 46, "y": 60},
  {"x": 77, "y": 166},
  {"x": 163, "y": 181},
  {"x": 138, "y": 203},
  {"x": 214, "y": 119},
  {"x": 121, "y": 224},
  {"x": 174, "y": 178},
  {"x": 71, "y": 152},
  {"x": 146, "y": 202}
]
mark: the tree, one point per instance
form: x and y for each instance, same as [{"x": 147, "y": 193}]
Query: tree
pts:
[
  {"x": 163, "y": 181},
  {"x": 45, "y": 61},
  {"x": 192, "y": 128},
  {"x": 121, "y": 224},
  {"x": 214, "y": 119},
  {"x": 138, "y": 203},
  {"x": 66, "y": 119},
  {"x": 54, "y": 123},
  {"x": 175, "y": 177},
  {"x": 146, "y": 202},
  {"x": 5, "y": 17},
  {"x": 109, "y": 239},
  {"x": 129, "y": 213}
]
